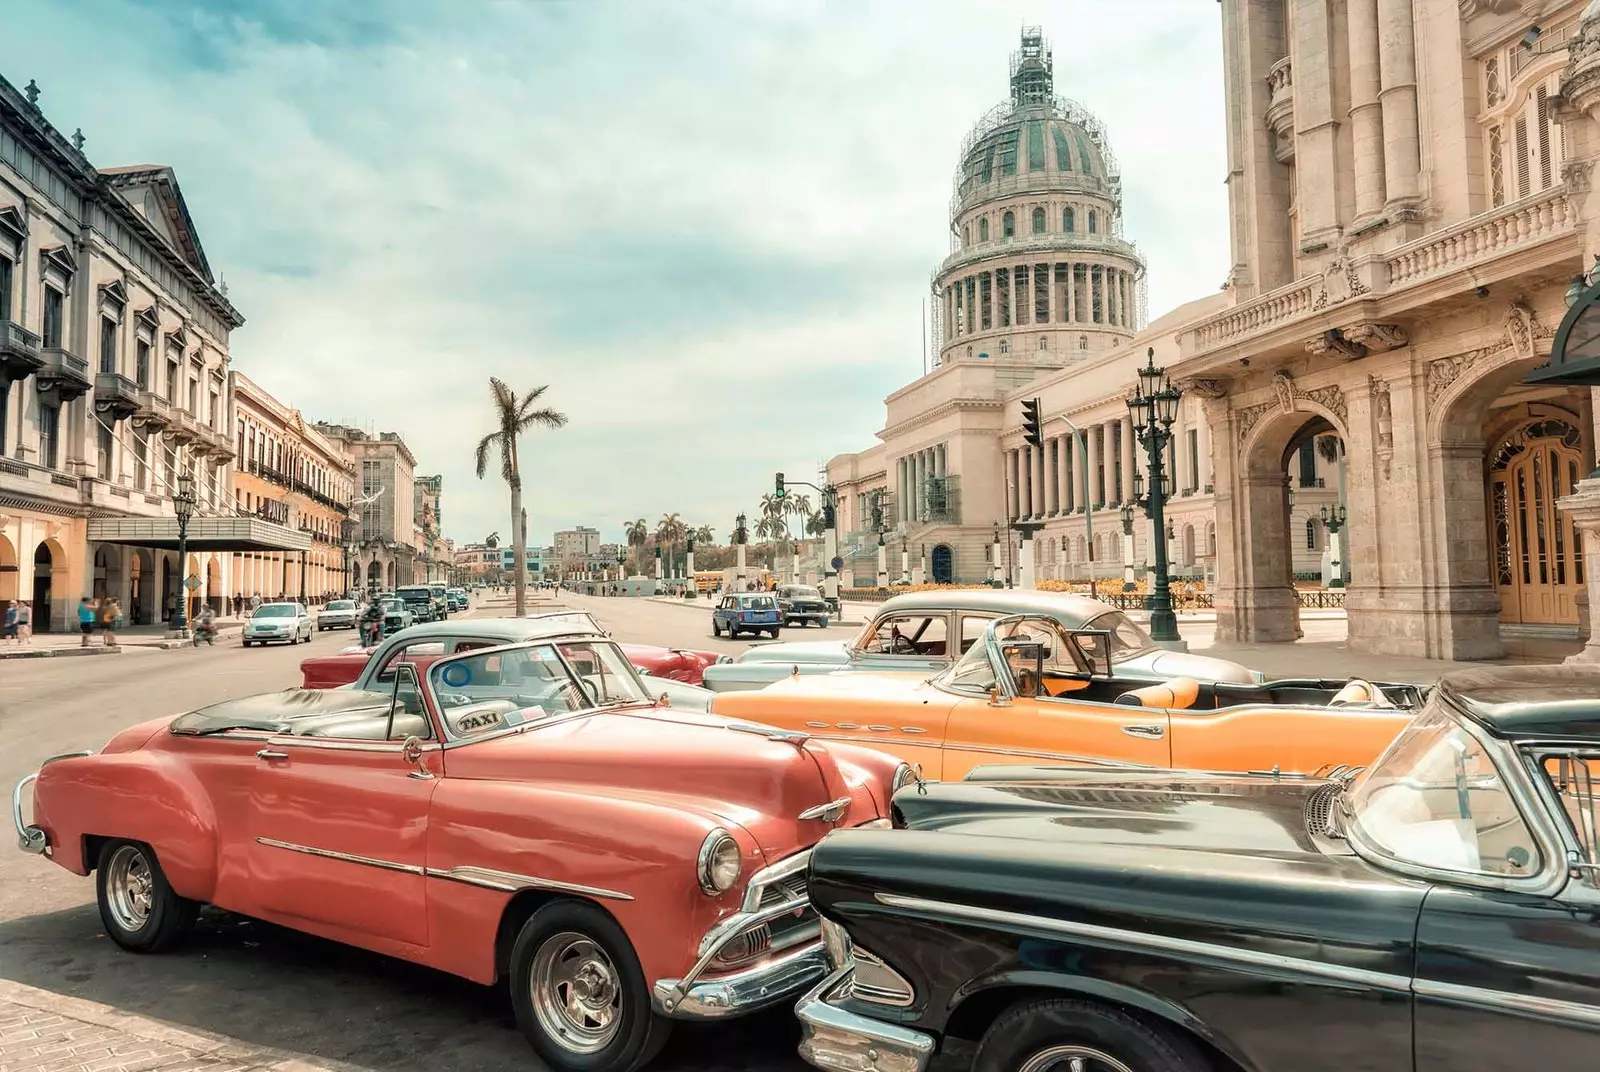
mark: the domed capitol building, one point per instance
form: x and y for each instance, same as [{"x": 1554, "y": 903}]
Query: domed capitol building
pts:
[{"x": 1411, "y": 210}]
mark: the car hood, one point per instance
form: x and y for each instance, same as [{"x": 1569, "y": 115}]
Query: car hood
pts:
[
  {"x": 1170, "y": 664},
  {"x": 271, "y": 711},
  {"x": 810, "y": 651}
]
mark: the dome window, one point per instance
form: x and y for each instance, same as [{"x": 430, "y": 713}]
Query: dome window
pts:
[
  {"x": 1008, "y": 152},
  {"x": 983, "y": 229},
  {"x": 1038, "y": 221},
  {"x": 1008, "y": 225},
  {"x": 1068, "y": 222},
  {"x": 1063, "y": 150},
  {"x": 966, "y": 237},
  {"x": 1083, "y": 155},
  {"x": 1005, "y": 346},
  {"x": 1094, "y": 222},
  {"x": 1036, "y": 146}
]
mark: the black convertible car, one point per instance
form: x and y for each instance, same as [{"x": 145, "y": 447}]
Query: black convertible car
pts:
[{"x": 1436, "y": 912}]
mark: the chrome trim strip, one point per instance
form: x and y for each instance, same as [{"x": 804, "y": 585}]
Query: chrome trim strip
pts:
[
  {"x": 1552, "y": 1008},
  {"x": 329, "y": 854},
  {"x": 768, "y": 875},
  {"x": 1155, "y": 942},
  {"x": 912, "y": 729},
  {"x": 488, "y": 878},
  {"x": 1058, "y": 758},
  {"x": 831, "y": 812}
]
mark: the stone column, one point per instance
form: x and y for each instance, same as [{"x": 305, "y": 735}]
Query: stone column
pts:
[
  {"x": 1366, "y": 113},
  {"x": 1316, "y": 131},
  {"x": 1092, "y": 497},
  {"x": 1583, "y": 506},
  {"x": 1131, "y": 450},
  {"x": 1397, "y": 70},
  {"x": 1050, "y": 292},
  {"x": 1013, "y": 490},
  {"x": 1053, "y": 484}
]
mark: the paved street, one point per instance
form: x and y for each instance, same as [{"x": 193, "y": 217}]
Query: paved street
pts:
[{"x": 243, "y": 995}]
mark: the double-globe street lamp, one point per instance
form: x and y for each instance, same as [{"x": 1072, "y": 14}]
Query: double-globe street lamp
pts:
[
  {"x": 183, "y": 504},
  {"x": 1333, "y": 521},
  {"x": 1153, "y": 409}
]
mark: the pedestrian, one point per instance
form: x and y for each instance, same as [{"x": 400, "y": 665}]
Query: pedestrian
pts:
[
  {"x": 24, "y": 622},
  {"x": 8, "y": 623},
  {"x": 110, "y": 613},
  {"x": 86, "y": 612},
  {"x": 255, "y": 601}
]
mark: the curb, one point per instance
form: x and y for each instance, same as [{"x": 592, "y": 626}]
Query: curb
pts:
[
  {"x": 63, "y": 652},
  {"x": 208, "y": 1047}
]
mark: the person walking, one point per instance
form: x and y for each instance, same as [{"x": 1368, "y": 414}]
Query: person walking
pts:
[
  {"x": 24, "y": 622},
  {"x": 8, "y": 623},
  {"x": 86, "y": 613},
  {"x": 110, "y": 615}
]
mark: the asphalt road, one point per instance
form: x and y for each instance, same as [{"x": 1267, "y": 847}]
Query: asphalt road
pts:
[{"x": 261, "y": 984}]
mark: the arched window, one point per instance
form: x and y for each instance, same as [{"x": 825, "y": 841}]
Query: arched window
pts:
[
  {"x": 966, "y": 236},
  {"x": 983, "y": 229},
  {"x": 1044, "y": 342},
  {"x": 1068, "y": 222},
  {"x": 1311, "y": 534},
  {"x": 1005, "y": 346},
  {"x": 1038, "y": 221},
  {"x": 1083, "y": 342},
  {"x": 1008, "y": 225},
  {"x": 1094, "y": 222}
]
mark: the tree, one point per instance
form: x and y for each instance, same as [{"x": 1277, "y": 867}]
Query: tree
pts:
[
  {"x": 705, "y": 536},
  {"x": 670, "y": 530},
  {"x": 514, "y": 416},
  {"x": 637, "y": 533},
  {"x": 816, "y": 525}
]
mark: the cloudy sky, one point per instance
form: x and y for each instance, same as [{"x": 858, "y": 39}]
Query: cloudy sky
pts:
[{"x": 707, "y": 226}]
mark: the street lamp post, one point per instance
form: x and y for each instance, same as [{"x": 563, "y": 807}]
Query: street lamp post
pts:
[
  {"x": 1127, "y": 546},
  {"x": 1333, "y": 520},
  {"x": 883, "y": 563},
  {"x": 740, "y": 536},
  {"x": 1153, "y": 408},
  {"x": 183, "y": 504},
  {"x": 996, "y": 567}
]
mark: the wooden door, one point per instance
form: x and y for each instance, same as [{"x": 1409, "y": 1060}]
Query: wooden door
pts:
[{"x": 1538, "y": 557}]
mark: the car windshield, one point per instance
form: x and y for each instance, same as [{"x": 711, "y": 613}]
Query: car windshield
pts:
[
  {"x": 799, "y": 592},
  {"x": 756, "y": 602},
  {"x": 340, "y": 604},
  {"x": 274, "y": 610},
  {"x": 1435, "y": 799},
  {"x": 393, "y": 606},
  {"x": 505, "y": 687},
  {"x": 413, "y": 595},
  {"x": 1127, "y": 639}
]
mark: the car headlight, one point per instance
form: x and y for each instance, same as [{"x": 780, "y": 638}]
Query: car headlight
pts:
[
  {"x": 724, "y": 659},
  {"x": 905, "y": 774},
  {"x": 719, "y": 863}
]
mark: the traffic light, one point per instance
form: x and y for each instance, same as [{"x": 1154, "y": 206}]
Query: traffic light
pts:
[
  {"x": 1032, "y": 427},
  {"x": 779, "y": 492}
]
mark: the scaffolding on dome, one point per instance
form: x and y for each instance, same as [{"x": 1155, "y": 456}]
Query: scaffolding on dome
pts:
[
  {"x": 1032, "y": 69},
  {"x": 1063, "y": 108}
]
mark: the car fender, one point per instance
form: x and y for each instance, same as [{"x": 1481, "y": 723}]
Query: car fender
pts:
[
  {"x": 633, "y": 854},
  {"x": 1106, "y": 991},
  {"x": 142, "y": 795}
]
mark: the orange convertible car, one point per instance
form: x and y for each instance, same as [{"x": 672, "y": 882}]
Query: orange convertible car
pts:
[{"x": 1031, "y": 689}]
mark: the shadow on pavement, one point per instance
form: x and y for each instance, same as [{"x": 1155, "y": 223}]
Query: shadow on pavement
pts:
[{"x": 266, "y": 986}]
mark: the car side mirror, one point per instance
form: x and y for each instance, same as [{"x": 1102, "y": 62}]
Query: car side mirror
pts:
[{"x": 997, "y": 700}]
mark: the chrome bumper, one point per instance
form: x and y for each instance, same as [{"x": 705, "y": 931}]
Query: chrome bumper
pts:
[
  {"x": 840, "y": 1041},
  {"x": 31, "y": 839},
  {"x": 743, "y": 992}
]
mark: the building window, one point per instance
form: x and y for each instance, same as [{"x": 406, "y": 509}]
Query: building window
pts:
[
  {"x": 49, "y": 435},
  {"x": 141, "y": 364},
  {"x": 1194, "y": 459},
  {"x": 1005, "y": 346},
  {"x": 1308, "y": 465},
  {"x": 1311, "y": 534},
  {"x": 141, "y": 459},
  {"x": 194, "y": 397},
  {"x": 172, "y": 380},
  {"x": 52, "y": 317},
  {"x": 1038, "y": 221},
  {"x": 1083, "y": 342},
  {"x": 1497, "y": 170},
  {"x": 983, "y": 229},
  {"x": 1068, "y": 223},
  {"x": 1044, "y": 342},
  {"x": 5, "y": 409},
  {"x": 103, "y": 445},
  {"x": 966, "y": 237},
  {"x": 6, "y": 273},
  {"x": 108, "y": 344},
  {"x": 1008, "y": 225},
  {"x": 1094, "y": 222}
]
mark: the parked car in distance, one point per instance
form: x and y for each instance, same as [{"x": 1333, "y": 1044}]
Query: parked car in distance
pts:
[
  {"x": 746, "y": 612},
  {"x": 924, "y": 632},
  {"x": 802, "y": 605},
  {"x": 338, "y": 614},
  {"x": 1031, "y": 689},
  {"x": 419, "y": 600},
  {"x": 1442, "y": 898},
  {"x": 271, "y": 623},
  {"x": 521, "y": 814},
  {"x": 459, "y": 599},
  {"x": 396, "y": 615}
]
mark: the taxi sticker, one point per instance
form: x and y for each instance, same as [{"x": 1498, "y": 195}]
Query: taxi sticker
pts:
[{"x": 479, "y": 722}]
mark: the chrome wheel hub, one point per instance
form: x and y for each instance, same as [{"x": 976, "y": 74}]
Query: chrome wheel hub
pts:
[
  {"x": 577, "y": 997},
  {"x": 130, "y": 888},
  {"x": 1073, "y": 1059}
]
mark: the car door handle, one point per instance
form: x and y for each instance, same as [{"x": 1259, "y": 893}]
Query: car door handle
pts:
[
  {"x": 267, "y": 753},
  {"x": 1153, "y": 732}
]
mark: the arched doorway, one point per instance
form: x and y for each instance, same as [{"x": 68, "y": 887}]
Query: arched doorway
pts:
[
  {"x": 43, "y": 569},
  {"x": 943, "y": 564},
  {"x": 374, "y": 575},
  {"x": 105, "y": 573},
  {"x": 391, "y": 571},
  {"x": 10, "y": 571},
  {"x": 1538, "y": 558},
  {"x": 214, "y": 583},
  {"x": 139, "y": 587},
  {"x": 169, "y": 594}
]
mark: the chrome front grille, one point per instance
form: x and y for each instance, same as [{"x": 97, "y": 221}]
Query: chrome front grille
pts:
[{"x": 785, "y": 889}]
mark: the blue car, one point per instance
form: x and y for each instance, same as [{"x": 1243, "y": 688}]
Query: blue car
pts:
[{"x": 747, "y": 612}]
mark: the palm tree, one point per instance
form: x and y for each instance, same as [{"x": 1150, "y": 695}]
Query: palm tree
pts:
[
  {"x": 513, "y": 416},
  {"x": 816, "y": 525},
  {"x": 704, "y": 534},
  {"x": 637, "y": 533},
  {"x": 670, "y": 530}
]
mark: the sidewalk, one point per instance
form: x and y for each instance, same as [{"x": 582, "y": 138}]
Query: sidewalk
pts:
[
  {"x": 42, "y": 1031},
  {"x": 63, "y": 645}
]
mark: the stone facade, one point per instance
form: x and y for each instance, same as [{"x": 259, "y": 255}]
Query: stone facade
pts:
[{"x": 387, "y": 537}]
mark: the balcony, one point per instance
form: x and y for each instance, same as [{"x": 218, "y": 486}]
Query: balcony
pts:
[
  {"x": 1280, "y": 109},
  {"x": 183, "y": 429},
  {"x": 19, "y": 351},
  {"x": 64, "y": 376},
  {"x": 115, "y": 396},
  {"x": 155, "y": 413},
  {"x": 221, "y": 446}
]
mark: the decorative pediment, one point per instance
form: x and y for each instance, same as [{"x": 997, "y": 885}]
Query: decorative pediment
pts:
[
  {"x": 178, "y": 338},
  {"x": 114, "y": 293},
  {"x": 150, "y": 317},
  {"x": 13, "y": 222},
  {"x": 57, "y": 258}
]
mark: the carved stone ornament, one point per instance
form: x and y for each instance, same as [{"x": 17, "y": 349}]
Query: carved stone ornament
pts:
[
  {"x": 1287, "y": 396},
  {"x": 1333, "y": 341},
  {"x": 1203, "y": 388},
  {"x": 1580, "y": 78},
  {"x": 1575, "y": 175},
  {"x": 1339, "y": 281},
  {"x": 1377, "y": 338},
  {"x": 1383, "y": 417},
  {"x": 1470, "y": 8},
  {"x": 1283, "y": 390}
]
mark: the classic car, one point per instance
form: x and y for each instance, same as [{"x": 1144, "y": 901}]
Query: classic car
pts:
[
  {"x": 396, "y": 615},
  {"x": 441, "y": 600},
  {"x": 423, "y": 643},
  {"x": 1433, "y": 912},
  {"x": 286, "y": 623},
  {"x": 924, "y": 632},
  {"x": 802, "y": 605},
  {"x": 746, "y": 612},
  {"x": 459, "y": 599},
  {"x": 419, "y": 600},
  {"x": 521, "y": 813},
  {"x": 337, "y": 614},
  {"x": 1031, "y": 689}
]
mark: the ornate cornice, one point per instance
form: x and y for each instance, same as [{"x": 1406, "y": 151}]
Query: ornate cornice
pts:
[{"x": 1287, "y": 398}]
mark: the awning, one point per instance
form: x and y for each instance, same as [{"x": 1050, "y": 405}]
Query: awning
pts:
[
  {"x": 205, "y": 533},
  {"x": 1575, "y": 352}
]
